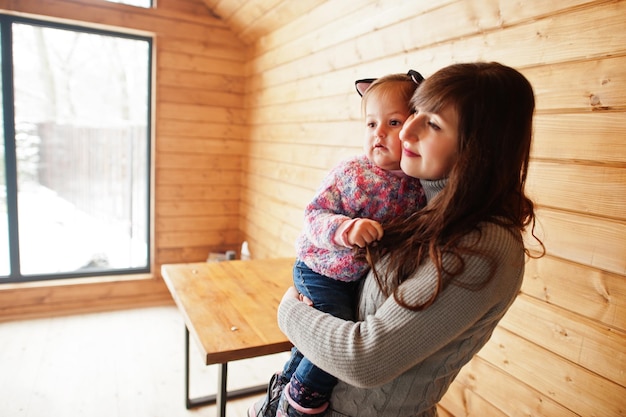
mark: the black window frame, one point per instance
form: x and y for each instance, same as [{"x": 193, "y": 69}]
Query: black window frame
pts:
[{"x": 8, "y": 114}]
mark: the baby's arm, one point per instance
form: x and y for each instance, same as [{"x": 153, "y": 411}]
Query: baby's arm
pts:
[{"x": 332, "y": 217}]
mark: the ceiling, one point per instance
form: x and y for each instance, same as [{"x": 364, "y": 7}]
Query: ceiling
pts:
[{"x": 252, "y": 19}]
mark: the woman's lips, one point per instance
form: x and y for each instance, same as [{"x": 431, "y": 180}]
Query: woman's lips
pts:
[{"x": 409, "y": 153}]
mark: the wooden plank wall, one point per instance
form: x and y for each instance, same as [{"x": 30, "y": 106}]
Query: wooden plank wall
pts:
[
  {"x": 561, "y": 349},
  {"x": 247, "y": 127},
  {"x": 199, "y": 136}
]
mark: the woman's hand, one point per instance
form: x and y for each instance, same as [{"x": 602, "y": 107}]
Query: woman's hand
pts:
[{"x": 293, "y": 293}]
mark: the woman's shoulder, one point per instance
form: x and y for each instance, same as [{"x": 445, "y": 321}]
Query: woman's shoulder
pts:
[
  {"x": 493, "y": 249},
  {"x": 494, "y": 237}
]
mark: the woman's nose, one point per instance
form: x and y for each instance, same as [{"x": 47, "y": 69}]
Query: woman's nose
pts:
[{"x": 409, "y": 129}]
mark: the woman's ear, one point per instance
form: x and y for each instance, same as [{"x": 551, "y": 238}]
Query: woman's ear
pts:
[{"x": 363, "y": 85}]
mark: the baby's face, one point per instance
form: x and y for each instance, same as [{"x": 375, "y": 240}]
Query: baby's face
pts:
[{"x": 385, "y": 115}]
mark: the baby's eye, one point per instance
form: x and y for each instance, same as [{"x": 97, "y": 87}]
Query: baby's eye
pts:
[
  {"x": 395, "y": 123},
  {"x": 371, "y": 125}
]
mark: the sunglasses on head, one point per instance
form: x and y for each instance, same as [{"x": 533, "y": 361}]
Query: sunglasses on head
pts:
[{"x": 364, "y": 84}]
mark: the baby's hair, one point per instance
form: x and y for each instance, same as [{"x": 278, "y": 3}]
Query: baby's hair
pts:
[{"x": 392, "y": 84}]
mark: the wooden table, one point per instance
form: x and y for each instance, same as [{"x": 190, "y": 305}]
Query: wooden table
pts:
[{"x": 230, "y": 309}]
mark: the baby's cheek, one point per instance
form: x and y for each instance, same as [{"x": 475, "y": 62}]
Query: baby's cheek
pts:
[{"x": 395, "y": 149}]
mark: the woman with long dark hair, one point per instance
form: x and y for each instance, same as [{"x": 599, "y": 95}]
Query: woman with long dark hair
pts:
[{"x": 443, "y": 277}]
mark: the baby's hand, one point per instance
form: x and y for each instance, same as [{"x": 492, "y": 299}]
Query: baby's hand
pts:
[{"x": 364, "y": 231}]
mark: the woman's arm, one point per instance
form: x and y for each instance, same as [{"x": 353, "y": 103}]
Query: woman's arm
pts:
[{"x": 390, "y": 339}]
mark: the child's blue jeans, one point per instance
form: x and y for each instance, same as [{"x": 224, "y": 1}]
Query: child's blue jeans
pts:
[{"x": 330, "y": 296}]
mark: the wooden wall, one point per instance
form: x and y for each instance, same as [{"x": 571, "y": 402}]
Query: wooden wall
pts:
[
  {"x": 246, "y": 127},
  {"x": 561, "y": 351},
  {"x": 199, "y": 134}
]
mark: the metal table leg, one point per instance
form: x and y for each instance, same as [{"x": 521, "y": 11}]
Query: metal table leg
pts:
[{"x": 222, "y": 394}]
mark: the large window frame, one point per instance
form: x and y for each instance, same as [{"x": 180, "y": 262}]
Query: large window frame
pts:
[{"x": 10, "y": 158}]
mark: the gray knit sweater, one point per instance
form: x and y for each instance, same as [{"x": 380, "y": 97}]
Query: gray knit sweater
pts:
[{"x": 397, "y": 362}]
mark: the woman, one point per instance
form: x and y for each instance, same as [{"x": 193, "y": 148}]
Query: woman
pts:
[{"x": 442, "y": 278}]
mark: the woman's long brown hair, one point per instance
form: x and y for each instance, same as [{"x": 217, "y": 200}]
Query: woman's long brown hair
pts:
[{"x": 495, "y": 106}]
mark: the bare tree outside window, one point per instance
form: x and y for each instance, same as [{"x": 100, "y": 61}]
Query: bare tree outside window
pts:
[{"x": 82, "y": 150}]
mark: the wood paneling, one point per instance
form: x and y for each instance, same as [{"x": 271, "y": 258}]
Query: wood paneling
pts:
[
  {"x": 199, "y": 141},
  {"x": 572, "y": 386},
  {"x": 596, "y": 137},
  {"x": 481, "y": 384},
  {"x": 559, "y": 349},
  {"x": 253, "y": 19},
  {"x": 572, "y": 336},
  {"x": 255, "y": 102},
  {"x": 596, "y": 294}
]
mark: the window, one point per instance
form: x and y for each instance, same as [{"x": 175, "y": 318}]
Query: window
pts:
[
  {"x": 75, "y": 181},
  {"x": 139, "y": 3}
]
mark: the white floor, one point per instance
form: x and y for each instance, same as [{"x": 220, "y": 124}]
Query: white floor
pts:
[{"x": 118, "y": 364}]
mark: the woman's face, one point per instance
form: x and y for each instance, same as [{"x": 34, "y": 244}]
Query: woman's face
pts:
[
  {"x": 384, "y": 116},
  {"x": 429, "y": 143}
]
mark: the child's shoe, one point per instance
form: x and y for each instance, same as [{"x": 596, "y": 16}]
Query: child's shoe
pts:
[
  {"x": 287, "y": 407},
  {"x": 266, "y": 407}
]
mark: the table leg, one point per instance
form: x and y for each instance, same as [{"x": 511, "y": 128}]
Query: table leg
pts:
[
  {"x": 221, "y": 390},
  {"x": 222, "y": 394}
]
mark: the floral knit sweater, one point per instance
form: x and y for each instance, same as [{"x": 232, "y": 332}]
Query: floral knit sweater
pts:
[{"x": 356, "y": 188}]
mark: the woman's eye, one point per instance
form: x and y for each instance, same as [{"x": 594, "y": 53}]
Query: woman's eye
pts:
[{"x": 433, "y": 125}]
